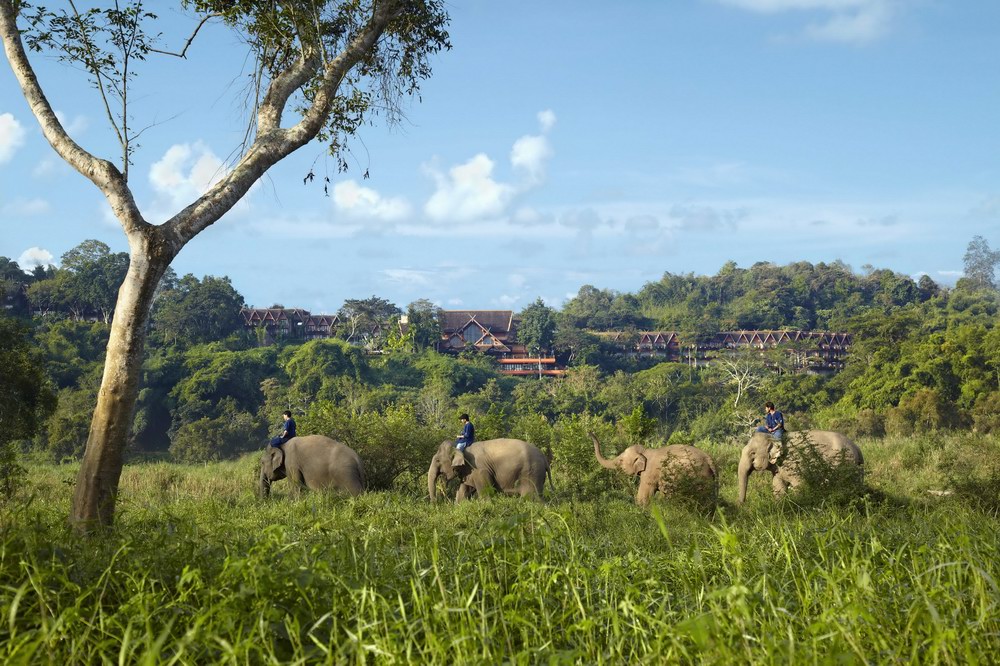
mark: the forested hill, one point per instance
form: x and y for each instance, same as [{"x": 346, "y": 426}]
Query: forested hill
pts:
[
  {"x": 924, "y": 357},
  {"x": 800, "y": 296}
]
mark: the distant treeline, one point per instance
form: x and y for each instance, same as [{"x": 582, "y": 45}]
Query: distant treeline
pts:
[{"x": 924, "y": 358}]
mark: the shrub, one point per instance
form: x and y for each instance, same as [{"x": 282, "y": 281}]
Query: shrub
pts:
[
  {"x": 394, "y": 446},
  {"x": 208, "y": 439}
]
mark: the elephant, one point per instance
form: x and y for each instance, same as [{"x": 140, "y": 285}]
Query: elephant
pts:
[
  {"x": 663, "y": 469},
  {"x": 783, "y": 458},
  {"x": 313, "y": 461},
  {"x": 511, "y": 466}
]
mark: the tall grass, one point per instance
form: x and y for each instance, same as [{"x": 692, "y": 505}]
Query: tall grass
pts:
[{"x": 197, "y": 570}]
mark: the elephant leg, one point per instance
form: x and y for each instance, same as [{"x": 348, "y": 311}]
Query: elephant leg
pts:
[
  {"x": 778, "y": 485},
  {"x": 462, "y": 494},
  {"x": 647, "y": 486},
  {"x": 528, "y": 488}
]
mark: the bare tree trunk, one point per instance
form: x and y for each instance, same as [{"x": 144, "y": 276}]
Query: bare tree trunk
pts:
[{"x": 100, "y": 470}]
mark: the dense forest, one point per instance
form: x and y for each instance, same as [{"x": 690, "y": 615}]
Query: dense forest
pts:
[{"x": 924, "y": 358}]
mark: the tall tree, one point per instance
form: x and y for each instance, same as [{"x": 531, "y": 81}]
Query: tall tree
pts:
[
  {"x": 424, "y": 320},
  {"x": 340, "y": 61},
  {"x": 981, "y": 263},
  {"x": 198, "y": 310},
  {"x": 537, "y": 330}
]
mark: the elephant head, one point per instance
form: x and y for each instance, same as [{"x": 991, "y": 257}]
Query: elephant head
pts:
[
  {"x": 761, "y": 453},
  {"x": 448, "y": 461},
  {"x": 632, "y": 460},
  {"x": 272, "y": 468}
]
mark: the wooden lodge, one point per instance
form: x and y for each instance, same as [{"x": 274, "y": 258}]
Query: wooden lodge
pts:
[
  {"x": 821, "y": 350},
  {"x": 493, "y": 332},
  {"x": 294, "y": 323}
]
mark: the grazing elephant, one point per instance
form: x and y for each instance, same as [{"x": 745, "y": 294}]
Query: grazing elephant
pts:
[
  {"x": 511, "y": 466},
  {"x": 665, "y": 469},
  {"x": 313, "y": 461},
  {"x": 783, "y": 458}
]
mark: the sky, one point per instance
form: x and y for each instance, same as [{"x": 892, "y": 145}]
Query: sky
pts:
[{"x": 560, "y": 144}]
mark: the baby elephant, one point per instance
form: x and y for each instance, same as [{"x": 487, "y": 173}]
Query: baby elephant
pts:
[
  {"x": 313, "y": 461},
  {"x": 666, "y": 470}
]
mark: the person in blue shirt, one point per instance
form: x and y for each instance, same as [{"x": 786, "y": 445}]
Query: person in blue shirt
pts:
[
  {"x": 287, "y": 429},
  {"x": 468, "y": 435},
  {"x": 774, "y": 422}
]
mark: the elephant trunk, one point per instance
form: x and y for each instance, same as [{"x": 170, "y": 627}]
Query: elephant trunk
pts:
[
  {"x": 607, "y": 464},
  {"x": 432, "y": 475},
  {"x": 265, "y": 485},
  {"x": 743, "y": 475}
]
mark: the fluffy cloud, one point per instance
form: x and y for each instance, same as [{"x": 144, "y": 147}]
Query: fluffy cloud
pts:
[
  {"x": 183, "y": 174},
  {"x": 26, "y": 207},
  {"x": 468, "y": 192},
  {"x": 846, "y": 21},
  {"x": 35, "y": 256},
  {"x": 11, "y": 136},
  {"x": 363, "y": 202}
]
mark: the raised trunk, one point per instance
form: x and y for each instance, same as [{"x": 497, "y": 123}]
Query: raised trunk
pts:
[
  {"x": 743, "y": 475},
  {"x": 607, "y": 464},
  {"x": 100, "y": 470},
  {"x": 432, "y": 476}
]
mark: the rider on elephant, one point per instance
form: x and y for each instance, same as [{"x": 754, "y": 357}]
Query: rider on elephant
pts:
[
  {"x": 774, "y": 422},
  {"x": 468, "y": 435},
  {"x": 287, "y": 429}
]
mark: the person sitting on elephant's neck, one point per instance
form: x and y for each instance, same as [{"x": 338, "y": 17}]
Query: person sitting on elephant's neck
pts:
[
  {"x": 468, "y": 434},
  {"x": 287, "y": 429},
  {"x": 774, "y": 422}
]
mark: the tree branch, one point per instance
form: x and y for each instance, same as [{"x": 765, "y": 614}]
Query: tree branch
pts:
[
  {"x": 275, "y": 144},
  {"x": 99, "y": 171},
  {"x": 183, "y": 53}
]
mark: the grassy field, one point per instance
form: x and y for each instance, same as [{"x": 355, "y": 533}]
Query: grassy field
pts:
[{"x": 197, "y": 570}]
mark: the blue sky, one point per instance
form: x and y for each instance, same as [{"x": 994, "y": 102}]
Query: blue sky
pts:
[{"x": 567, "y": 143}]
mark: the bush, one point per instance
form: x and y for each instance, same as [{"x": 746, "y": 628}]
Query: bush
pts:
[
  {"x": 838, "y": 482},
  {"x": 394, "y": 446},
  {"x": 574, "y": 465},
  {"x": 209, "y": 439}
]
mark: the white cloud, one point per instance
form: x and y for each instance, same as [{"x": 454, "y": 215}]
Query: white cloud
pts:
[
  {"x": 468, "y": 192},
  {"x": 44, "y": 168},
  {"x": 11, "y": 136},
  {"x": 409, "y": 276},
  {"x": 547, "y": 119},
  {"x": 26, "y": 207},
  {"x": 357, "y": 201},
  {"x": 530, "y": 153},
  {"x": 74, "y": 125},
  {"x": 35, "y": 256},
  {"x": 705, "y": 217},
  {"x": 184, "y": 173},
  {"x": 846, "y": 21},
  {"x": 506, "y": 300},
  {"x": 517, "y": 280}
]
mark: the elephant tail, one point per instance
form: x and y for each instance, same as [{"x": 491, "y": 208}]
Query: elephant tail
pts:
[{"x": 548, "y": 465}]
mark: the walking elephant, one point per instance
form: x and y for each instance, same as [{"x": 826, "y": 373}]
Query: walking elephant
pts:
[
  {"x": 313, "y": 461},
  {"x": 784, "y": 458},
  {"x": 667, "y": 469},
  {"x": 511, "y": 466}
]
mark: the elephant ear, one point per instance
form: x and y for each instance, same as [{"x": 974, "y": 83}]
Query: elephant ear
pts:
[
  {"x": 458, "y": 459},
  {"x": 775, "y": 452},
  {"x": 639, "y": 463},
  {"x": 277, "y": 457}
]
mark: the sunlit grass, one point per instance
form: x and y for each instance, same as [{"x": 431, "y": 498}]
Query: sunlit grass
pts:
[{"x": 197, "y": 570}]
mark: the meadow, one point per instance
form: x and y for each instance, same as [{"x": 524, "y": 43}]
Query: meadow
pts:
[{"x": 198, "y": 570}]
